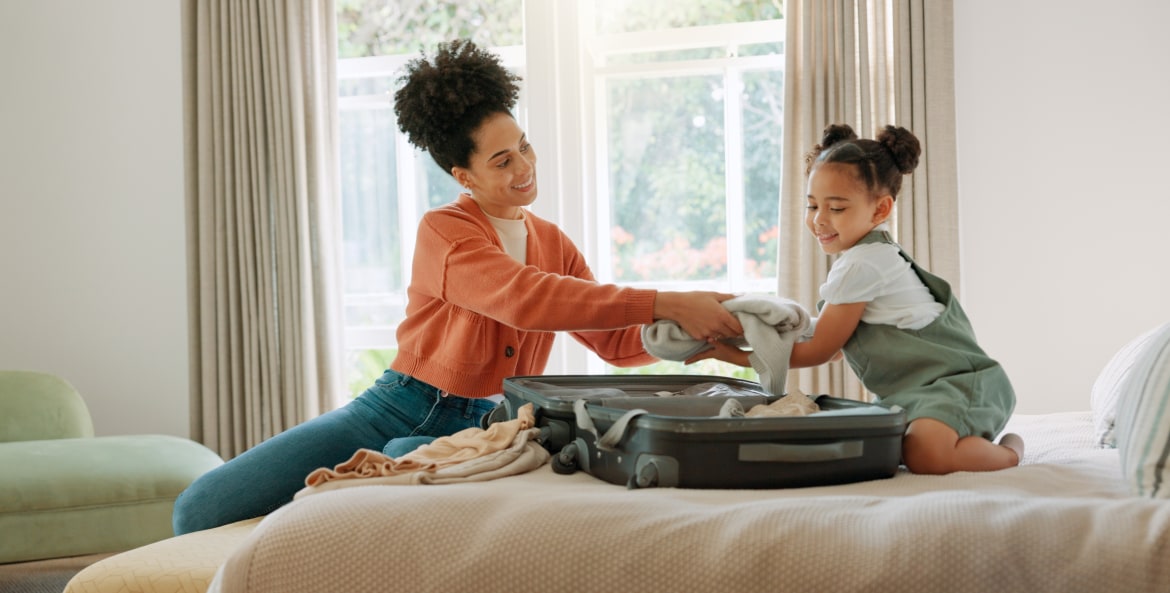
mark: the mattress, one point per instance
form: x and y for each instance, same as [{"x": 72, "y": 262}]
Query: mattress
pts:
[{"x": 1063, "y": 521}]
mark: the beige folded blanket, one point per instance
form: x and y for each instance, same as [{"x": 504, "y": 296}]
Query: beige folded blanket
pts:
[{"x": 472, "y": 454}]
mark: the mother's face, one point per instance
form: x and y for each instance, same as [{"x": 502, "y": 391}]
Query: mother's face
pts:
[{"x": 501, "y": 175}]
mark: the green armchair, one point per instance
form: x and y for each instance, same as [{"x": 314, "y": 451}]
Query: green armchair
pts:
[{"x": 65, "y": 492}]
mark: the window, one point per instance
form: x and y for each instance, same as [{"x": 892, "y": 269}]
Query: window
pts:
[{"x": 659, "y": 130}]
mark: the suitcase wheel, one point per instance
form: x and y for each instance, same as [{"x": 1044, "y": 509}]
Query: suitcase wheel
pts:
[
  {"x": 565, "y": 461},
  {"x": 645, "y": 476},
  {"x": 501, "y": 413}
]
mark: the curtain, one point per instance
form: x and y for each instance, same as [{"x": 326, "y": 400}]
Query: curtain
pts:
[
  {"x": 868, "y": 63},
  {"x": 263, "y": 216}
]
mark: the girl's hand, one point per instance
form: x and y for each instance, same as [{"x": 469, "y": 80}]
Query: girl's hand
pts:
[{"x": 722, "y": 351}]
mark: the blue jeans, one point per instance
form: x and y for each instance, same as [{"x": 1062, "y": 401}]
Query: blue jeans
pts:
[{"x": 267, "y": 476}]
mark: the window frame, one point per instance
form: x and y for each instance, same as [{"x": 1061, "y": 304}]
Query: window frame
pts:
[
  {"x": 563, "y": 64},
  {"x": 731, "y": 68}
]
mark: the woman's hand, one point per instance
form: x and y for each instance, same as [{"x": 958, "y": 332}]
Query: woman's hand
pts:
[
  {"x": 699, "y": 313},
  {"x": 722, "y": 351}
]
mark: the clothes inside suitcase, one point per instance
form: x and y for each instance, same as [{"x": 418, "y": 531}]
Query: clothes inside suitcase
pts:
[{"x": 663, "y": 430}]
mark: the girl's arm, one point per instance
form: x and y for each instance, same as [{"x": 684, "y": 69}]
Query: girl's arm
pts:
[{"x": 834, "y": 326}]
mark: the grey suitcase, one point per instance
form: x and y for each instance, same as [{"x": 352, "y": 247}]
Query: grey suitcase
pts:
[{"x": 618, "y": 429}]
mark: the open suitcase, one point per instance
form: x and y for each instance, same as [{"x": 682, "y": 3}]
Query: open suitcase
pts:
[{"x": 663, "y": 430}]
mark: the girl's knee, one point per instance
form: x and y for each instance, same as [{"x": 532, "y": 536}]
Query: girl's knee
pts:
[
  {"x": 927, "y": 459},
  {"x": 929, "y": 447}
]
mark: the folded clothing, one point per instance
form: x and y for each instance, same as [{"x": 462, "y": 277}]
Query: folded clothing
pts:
[
  {"x": 472, "y": 454},
  {"x": 771, "y": 325}
]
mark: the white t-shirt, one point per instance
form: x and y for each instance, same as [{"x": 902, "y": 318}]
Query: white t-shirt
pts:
[
  {"x": 875, "y": 273},
  {"x": 514, "y": 235}
]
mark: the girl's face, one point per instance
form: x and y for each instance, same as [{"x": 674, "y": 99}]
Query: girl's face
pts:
[
  {"x": 502, "y": 172},
  {"x": 840, "y": 210}
]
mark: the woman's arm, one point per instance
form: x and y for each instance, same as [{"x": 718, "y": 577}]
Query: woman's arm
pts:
[
  {"x": 621, "y": 348},
  {"x": 465, "y": 267},
  {"x": 557, "y": 292}
]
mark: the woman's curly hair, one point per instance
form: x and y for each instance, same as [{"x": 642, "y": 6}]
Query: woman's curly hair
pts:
[
  {"x": 880, "y": 163},
  {"x": 445, "y": 98}
]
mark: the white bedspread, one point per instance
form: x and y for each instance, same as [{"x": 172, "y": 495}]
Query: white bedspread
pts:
[{"x": 1062, "y": 522}]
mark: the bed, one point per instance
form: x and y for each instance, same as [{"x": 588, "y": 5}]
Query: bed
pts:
[{"x": 1073, "y": 517}]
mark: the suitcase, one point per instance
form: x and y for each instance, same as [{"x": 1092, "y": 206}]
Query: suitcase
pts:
[{"x": 618, "y": 428}]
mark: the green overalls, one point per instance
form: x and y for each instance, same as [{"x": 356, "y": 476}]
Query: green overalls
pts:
[{"x": 938, "y": 371}]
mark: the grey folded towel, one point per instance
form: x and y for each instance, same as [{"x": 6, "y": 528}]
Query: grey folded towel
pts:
[{"x": 771, "y": 325}]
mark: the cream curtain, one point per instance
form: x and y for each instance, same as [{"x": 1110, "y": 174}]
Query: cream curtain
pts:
[
  {"x": 263, "y": 216},
  {"x": 868, "y": 63}
]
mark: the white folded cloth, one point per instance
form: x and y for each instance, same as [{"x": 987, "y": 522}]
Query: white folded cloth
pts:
[{"x": 771, "y": 325}]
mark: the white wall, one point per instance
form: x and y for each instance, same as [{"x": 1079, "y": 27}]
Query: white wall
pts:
[
  {"x": 1063, "y": 113},
  {"x": 92, "y": 237}
]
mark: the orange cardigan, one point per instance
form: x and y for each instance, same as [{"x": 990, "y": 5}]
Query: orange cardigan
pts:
[{"x": 475, "y": 315}]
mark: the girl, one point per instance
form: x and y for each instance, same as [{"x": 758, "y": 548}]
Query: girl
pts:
[
  {"x": 491, "y": 283},
  {"x": 898, "y": 326}
]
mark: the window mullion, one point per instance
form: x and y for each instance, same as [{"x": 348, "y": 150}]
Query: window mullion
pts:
[
  {"x": 553, "y": 83},
  {"x": 733, "y": 176},
  {"x": 540, "y": 89},
  {"x": 408, "y": 176}
]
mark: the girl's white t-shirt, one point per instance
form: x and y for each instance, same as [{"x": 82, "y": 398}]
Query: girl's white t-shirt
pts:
[{"x": 875, "y": 273}]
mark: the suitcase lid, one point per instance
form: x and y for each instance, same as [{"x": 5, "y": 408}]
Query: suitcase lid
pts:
[{"x": 610, "y": 397}]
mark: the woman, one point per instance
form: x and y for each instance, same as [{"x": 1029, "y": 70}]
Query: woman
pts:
[{"x": 490, "y": 284}]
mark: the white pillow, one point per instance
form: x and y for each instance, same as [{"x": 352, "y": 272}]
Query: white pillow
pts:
[
  {"x": 1143, "y": 418},
  {"x": 1107, "y": 389}
]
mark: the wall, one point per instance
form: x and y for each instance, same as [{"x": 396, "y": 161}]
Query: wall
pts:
[
  {"x": 1064, "y": 142},
  {"x": 92, "y": 236}
]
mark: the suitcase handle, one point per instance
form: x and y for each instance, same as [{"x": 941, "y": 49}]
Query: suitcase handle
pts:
[
  {"x": 792, "y": 453},
  {"x": 613, "y": 436}
]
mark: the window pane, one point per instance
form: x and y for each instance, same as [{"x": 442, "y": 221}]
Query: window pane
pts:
[
  {"x": 677, "y": 55},
  {"x": 436, "y": 187},
  {"x": 369, "y": 201},
  {"x": 666, "y": 178},
  {"x": 712, "y": 52},
  {"x": 365, "y": 366},
  {"x": 375, "y": 85},
  {"x": 379, "y": 28},
  {"x": 626, "y": 16},
  {"x": 374, "y": 281},
  {"x": 763, "y": 101}
]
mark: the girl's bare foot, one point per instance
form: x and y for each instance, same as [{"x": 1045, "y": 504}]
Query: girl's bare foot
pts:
[{"x": 1014, "y": 442}]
